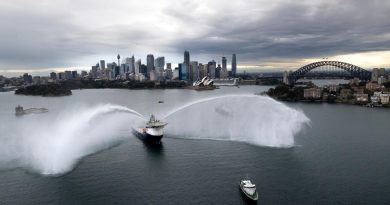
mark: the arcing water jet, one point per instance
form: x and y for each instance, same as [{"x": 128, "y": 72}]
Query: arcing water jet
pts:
[
  {"x": 53, "y": 146},
  {"x": 252, "y": 119}
]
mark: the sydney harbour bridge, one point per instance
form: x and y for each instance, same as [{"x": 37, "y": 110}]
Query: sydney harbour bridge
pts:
[{"x": 328, "y": 69}]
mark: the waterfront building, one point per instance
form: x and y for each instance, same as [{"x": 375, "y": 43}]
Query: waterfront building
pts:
[
  {"x": 375, "y": 98},
  {"x": 384, "y": 98},
  {"x": 345, "y": 94},
  {"x": 382, "y": 80},
  {"x": 149, "y": 64},
  {"x": 234, "y": 65},
  {"x": 312, "y": 93},
  {"x": 372, "y": 86},
  {"x": 139, "y": 77},
  {"x": 358, "y": 90},
  {"x": 361, "y": 98}
]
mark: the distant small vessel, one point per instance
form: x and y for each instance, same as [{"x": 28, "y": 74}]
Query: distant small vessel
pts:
[
  {"x": 19, "y": 111},
  {"x": 249, "y": 190},
  {"x": 160, "y": 101},
  {"x": 152, "y": 132}
]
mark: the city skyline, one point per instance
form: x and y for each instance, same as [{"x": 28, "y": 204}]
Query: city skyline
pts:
[{"x": 47, "y": 37}]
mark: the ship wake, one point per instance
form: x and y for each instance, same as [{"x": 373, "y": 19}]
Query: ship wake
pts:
[{"x": 252, "y": 119}]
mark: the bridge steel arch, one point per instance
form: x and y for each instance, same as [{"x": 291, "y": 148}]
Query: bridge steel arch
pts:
[{"x": 355, "y": 71}]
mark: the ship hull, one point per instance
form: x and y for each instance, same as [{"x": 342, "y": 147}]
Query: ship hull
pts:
[
  {"x": 254, "y": 197},
  {"x": 148, "y": 138}
]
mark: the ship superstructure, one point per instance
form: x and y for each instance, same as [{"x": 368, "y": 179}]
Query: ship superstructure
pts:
[{"x": 152, "y": 132}]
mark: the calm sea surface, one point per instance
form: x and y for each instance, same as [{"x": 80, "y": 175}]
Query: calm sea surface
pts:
[{"x": 342, "y": 157}]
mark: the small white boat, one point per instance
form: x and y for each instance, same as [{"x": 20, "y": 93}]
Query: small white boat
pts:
[{"x": 249, "y": 189}]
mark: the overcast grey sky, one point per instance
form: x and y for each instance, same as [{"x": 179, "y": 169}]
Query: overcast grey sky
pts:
[{"x": 49, "y": 34}]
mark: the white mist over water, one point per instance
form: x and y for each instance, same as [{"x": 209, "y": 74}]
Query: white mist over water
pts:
[
  {"x": 253, "y": 119},
  {"x": 53, "y": 146}
]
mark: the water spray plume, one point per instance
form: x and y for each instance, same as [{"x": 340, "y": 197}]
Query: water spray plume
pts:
[
  {"x": 252, "y": 119},
  {"x": 53, "y": 146}
]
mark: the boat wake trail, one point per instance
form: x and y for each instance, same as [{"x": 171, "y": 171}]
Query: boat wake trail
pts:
[
  {"x": 253, "y": 119},
  {"x": 52, "y": 145}
]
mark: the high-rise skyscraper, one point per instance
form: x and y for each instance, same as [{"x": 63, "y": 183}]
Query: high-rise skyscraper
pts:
[
  {"x": 137, "y": 67},
  {"x": 224, "y": 72},
  {"x": 53, "y": 76},
  {"x": 183, "y": 71},
  {"x": 102, "y": 64},
  {"x": 224, "y": 61},
  {"x": 212, "y": 65},
  {"x": 149, "y": 64},
  {"x": 169, "y": 65},
  {"x": 168, "y": 71},
  {"x": 160, "y": 62},
  {"x": 194, "y": 71},
  {"x": 130, "y": 62},
  {"x": 187, "y": 58},
  {"x": 119, "y": 57},
  {"x": 234, "y": 65},
  {"x": 218, "y": 71}
]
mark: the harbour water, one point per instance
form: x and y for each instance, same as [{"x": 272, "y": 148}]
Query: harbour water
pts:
[{"x": 340, "y": 155}]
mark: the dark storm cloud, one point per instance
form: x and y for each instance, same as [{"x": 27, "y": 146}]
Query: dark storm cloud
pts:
[
  {"x": 62, "y": 33},
  {"x": 297, "y": 30}
]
